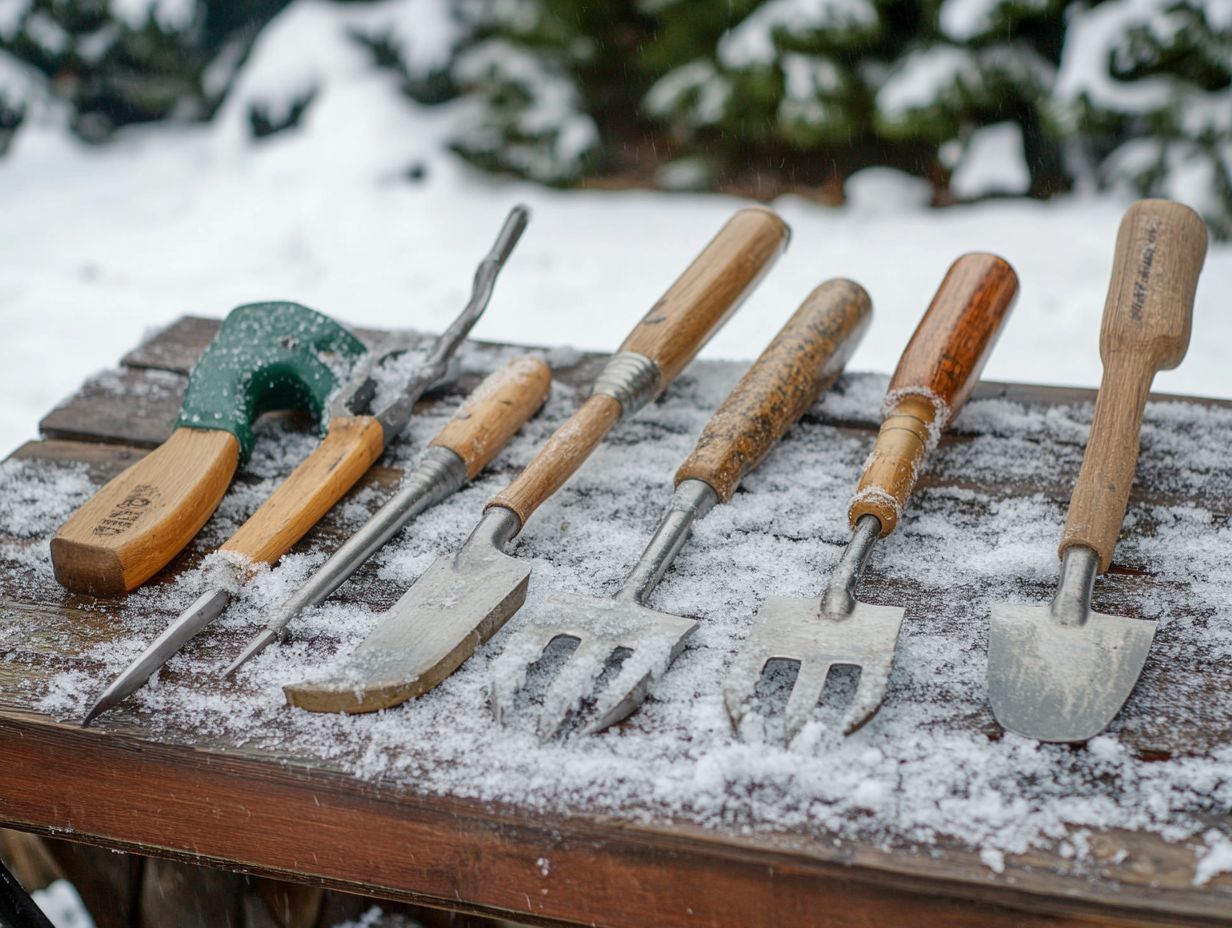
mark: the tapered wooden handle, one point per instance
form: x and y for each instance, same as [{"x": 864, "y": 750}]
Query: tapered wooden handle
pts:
[
  {"x": 934, "y": 378},
  {"x": 495, "y": 411},
  {"x": 144, "y": 516},
  {"x": 1160, "y": 249},
  {"x": 350, "y": 447},
  {"x": 669, "y": 335},
  {"x": 804, "y": 358},
  {"x": 708, "y": 292}
]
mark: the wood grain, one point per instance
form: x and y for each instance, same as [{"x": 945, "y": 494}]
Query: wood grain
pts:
[
  {"x": 1160, "y": 249},
  {"x": 804, "y": 358},
  {"x": 495, "y": 411},
  {"x": 935, "y": 375},
  {"x": 351, "y": 446},
  {"x": 134, "y": 525},
  {"x": 562, "y": 454},
  {"x": 708, "y": 292}
]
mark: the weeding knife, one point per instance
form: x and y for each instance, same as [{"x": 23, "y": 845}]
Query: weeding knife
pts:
[
  {"x": 460, "y": 601},
  {"x": 487, "y": 420},
  {"x": 352, "y": 445}
]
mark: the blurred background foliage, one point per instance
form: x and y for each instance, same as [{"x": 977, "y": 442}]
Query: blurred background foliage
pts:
[{"x": 759, "y": 97}]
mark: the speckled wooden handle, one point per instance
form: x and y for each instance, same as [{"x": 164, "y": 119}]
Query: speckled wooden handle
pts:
[
  {"x": 708, "y": 292},
  {"x": 806, "y": 356},
  {"x": 1160, "y": 249},
  {"x": 935, "y": 376},
  {"x": 495, "y": 411}
]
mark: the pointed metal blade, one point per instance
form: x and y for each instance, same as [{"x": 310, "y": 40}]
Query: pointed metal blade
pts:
[
  {"x": 200, "y": 614},
  {"x": 456, "y": 605},
  {"x": 1065, "y": 683}
]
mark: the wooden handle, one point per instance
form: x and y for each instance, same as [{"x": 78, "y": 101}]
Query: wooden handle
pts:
[
  {"x": 351, "y": 446},
  {"x": 670, "y": 335},
  {"x": 1160, "y": 249},
  {"x": 806, "y": 356},
  {"x": 143, "y": 517},
  {"x": 564, "y": 452},
  {"x": 708, "y": 292},
  {"x": 495, "y": 411},
  {"x": 934, "y": 378}
]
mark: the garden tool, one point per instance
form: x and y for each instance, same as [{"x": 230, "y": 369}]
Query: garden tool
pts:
[
  {"x": 353, "y": 443},
  {"x": 1062, "y": 672},
  {"x": 487, "y": 420},
  {"x": 461, "y": 600},
  {"x": 265, "y": 356},
  {"x": 935, "y": 376},
  {"x": 805, "y": 357},
  {"x": 17, "y": 908}
]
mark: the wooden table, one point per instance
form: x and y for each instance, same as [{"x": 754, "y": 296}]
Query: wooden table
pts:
[{"x": 167, "y": 793}]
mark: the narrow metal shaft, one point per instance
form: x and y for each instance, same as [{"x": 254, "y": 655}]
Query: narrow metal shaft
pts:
[
  {"x": 692, "y": 500},
  {"x": 438, "y": 474},
  {"x": 200, "y": 614},
  {"x": 1072, "y": 603},
  {"x": 840, "y": 596}
]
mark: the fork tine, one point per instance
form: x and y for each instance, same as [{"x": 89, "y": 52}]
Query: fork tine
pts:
[
  {"x": 805, "y": 693},
  {"x": 741, "y": 683},
  {"x": 630, "y": 687},
  {"x": 509, "y": 673},
  {"x": 574, "y": 681},
  {"x": 870, "y": 692}
]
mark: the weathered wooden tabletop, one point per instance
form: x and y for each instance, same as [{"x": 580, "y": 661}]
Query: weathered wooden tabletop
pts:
[{"x": 168, "y": 791}]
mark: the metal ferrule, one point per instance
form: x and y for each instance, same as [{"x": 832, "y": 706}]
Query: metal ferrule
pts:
[
  {"x": 438, "y": 474},
  {"x": 692, "y": 500},
  {"x": 1072, "y": 603},
  {"x": 630, "y": 378},
  {"x": 840, "y": 596},
  {"x": 496, "y": 529}
]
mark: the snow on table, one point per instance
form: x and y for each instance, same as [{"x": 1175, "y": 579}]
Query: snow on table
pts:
[{"x": 931, "y": 775}]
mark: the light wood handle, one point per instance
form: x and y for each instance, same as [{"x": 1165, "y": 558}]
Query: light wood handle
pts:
[
  {"x": 935, "y": 376},
  {"x": 351, "y": 446},
  {"x": 708, "y": 292},
  {"x": 1160, "y": 249},
  {"x": 670, "y": 334},
  {"x": 805, "y": 357},
  {"x": 495, "y": 411},
  {"x": 135, "y": 524},
  {"x": 564, "y": 452}
]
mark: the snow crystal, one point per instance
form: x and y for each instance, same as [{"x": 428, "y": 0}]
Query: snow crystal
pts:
[
  {"x": 875, "y": 191},
  {"x": 1216, "y": 859},
  {"x": 993, "y": 162},
  {"x": 752, "y": 42},
  {"x": 922, "y": 78},
  {"x": 695, "y": 88}
]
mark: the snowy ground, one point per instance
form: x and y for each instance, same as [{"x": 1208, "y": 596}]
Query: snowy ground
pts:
[{"x": 100, "y": 244}]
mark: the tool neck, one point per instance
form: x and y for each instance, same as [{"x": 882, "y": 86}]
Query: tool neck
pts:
[
  {"x": 692, "y": 500},
  {"x": 1072, "y": 603},
  {"x": 630, "y": 378},
  {"x": 840, "y": 596},
  {"x": 496, "y": 529}
]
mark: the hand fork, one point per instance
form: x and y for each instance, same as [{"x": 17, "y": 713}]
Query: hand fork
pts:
[
  {"x": 934, "y": 378},
  {"x": 805, "y": 357}
]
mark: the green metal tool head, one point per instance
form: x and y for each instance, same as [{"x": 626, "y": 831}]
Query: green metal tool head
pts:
[{"x": 267, "y": 356}]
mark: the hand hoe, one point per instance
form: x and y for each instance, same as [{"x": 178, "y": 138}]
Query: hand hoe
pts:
[
  {"x": 1062, "y": 672},
  {"x": 353, "y": 443},
  {"x": 461, "y": 600},
  {"x": 935, "y": 376},
  {"x": 805, "y": 357},
  {"x": 482, "y": 426}
]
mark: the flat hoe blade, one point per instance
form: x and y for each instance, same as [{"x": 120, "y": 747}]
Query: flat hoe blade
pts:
[
  {"x": 456, "y": 605},
  {"x": 1061, "y": 682}
]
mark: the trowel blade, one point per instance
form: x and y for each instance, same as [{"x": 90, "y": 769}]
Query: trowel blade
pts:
[
  {"x": 1055, "y": 682},
  {"x": 456, "y": 605}
]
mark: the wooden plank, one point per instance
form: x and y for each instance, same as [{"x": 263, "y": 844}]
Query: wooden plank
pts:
[
  {"x": 208, "y": 807},
  {"x": 145, "y": 790}
]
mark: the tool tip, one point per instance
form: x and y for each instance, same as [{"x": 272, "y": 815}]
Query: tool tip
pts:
[
  {"x": 95, "y": 711},
  {"x": 255, "y": 647}
]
